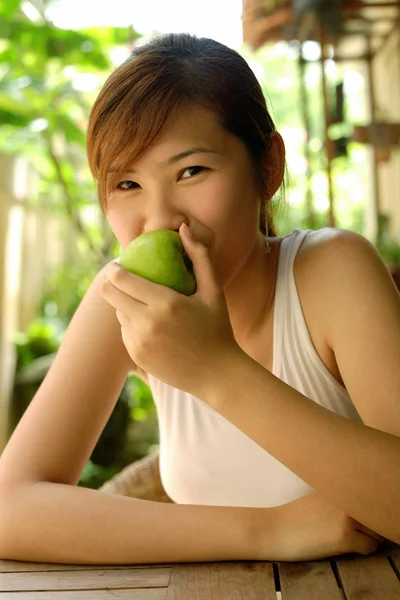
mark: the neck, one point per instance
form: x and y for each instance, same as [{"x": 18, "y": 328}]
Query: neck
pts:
[{"x": 250, "y": 293}]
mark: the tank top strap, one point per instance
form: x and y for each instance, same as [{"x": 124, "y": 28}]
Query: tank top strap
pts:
[
  {"x": 285, "y": 288},
  {"x": 288, "y": 252}
]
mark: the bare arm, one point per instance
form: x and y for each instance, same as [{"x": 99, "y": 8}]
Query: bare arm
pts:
[
  {"x": 58, "y": 431},
  {"x": 51, "y": 522},
  {"x": 45, "y": 517}
]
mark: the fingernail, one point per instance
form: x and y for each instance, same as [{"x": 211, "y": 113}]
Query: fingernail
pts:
[{"x": 187, "y": 231}]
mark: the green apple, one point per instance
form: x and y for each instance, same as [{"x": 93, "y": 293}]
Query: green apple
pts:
[{"x": 159, "y": 256}]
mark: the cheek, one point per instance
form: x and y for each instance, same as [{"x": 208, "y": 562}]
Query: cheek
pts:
[
  {"x": 231, "y": 207},
  {"x": 221, "y": 200},
  {"x": 232, "y": 212},
  {"x": 121, "y": 226}
]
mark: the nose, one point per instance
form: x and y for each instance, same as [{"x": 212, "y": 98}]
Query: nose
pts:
[{"x": 163, "y": 213}]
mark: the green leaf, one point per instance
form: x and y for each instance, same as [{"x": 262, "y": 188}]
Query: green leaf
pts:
[
  {"x": 9, "y": 55},
  {"x": 71, "y": 131},
  {"x": 8, "y": 117},
  {"x": 8, "y": 8},
  {"x": 112, "y": 36}
]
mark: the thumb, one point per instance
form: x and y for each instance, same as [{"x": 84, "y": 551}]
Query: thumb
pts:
[{"x": 204, "y": 272}]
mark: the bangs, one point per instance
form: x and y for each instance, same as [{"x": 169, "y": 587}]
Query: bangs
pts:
[
  {"x": 126, "y": 135},
  {"x": 128, "y": 116}
]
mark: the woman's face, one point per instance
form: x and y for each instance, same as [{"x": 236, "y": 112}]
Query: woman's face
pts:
[{"x": 195, "y": 173}]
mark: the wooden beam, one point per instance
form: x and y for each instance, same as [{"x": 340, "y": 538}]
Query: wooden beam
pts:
[
  {"x": 376, "y": 195},
  {"x": 355, "y": 6},
  {"x": 260, "y": 27},
  {"x": 386, "y": 38},
  {"x": 267, "y": 29},
  {"x": 328, "y": 142},
  {"x": 281, "y": 16},
  {"x": 354, "y": 58},
  {"x": 302, "y": 65}
]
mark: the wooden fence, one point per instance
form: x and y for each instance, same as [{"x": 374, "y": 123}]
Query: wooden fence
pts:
[{"x": 33, "y": 241}]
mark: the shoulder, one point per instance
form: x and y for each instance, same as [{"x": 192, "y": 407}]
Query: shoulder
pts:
[
  {"x": 343, "y": 272},
  {"x": 336, "y": 270},
  {"x": 328, "y": 237},
  {"x": 338, "y": 249}
]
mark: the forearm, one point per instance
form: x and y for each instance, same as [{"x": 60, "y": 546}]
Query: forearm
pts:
[
  {"x": 354, "y": 466},
  {"x": 50, "y": 522}
]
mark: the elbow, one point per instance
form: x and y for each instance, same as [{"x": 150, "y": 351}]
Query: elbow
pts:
[
  {"x": 4, "y": 526},
  {"x": 10, "y": 527}
]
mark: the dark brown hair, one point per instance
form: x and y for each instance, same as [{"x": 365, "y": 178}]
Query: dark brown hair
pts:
[{"x": 157, "y": 82}]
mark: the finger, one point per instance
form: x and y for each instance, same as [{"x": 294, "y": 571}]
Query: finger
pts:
[
  {"x": 126, "y": 305},
  {"x": 127, "y": 340},
  {"x": 126, "y": 326},
  {"x": 124, "y": 321},
  {"x": 207, "y": 285},
  {"x": 134, "y": 286},
  {"x": 365, "y": 544}
]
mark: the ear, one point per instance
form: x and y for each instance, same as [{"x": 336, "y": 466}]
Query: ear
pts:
[{"x": 276, "y": 163}]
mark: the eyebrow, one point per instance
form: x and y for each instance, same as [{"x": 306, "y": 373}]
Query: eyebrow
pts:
[{"x": 178, "y": 157}]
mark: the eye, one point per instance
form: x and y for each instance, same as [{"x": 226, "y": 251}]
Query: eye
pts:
[
  {"x": 130, "y": 185},
  {"x": 193, "y": 171}
]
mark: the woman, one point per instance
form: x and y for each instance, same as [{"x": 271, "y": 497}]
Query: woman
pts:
[{"x": 277, "y": 383}]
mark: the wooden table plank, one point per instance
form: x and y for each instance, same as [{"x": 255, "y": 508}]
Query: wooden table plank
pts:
[
  {"x": 311, "y": 580},
  {"x": 158, "y": 594},
  {"x": 85, "y": 580},
  {"x": 373, "y": 577},
  {"x": 369, "y": 578},
  {"x": 17, "y": 566},
  {"x": 222, "y": 581}
]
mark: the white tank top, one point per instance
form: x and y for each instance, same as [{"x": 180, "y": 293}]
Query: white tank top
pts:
[{"x": 205, "y": 459}]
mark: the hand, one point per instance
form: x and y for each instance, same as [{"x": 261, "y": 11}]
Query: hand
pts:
[
  {"x": 178, "y": 339},
  {"x": 311, "y": 528}
]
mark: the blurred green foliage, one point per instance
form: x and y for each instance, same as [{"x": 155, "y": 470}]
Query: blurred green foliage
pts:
[
  {"x": 93, "y": 476},
  {"x": 388, "y": 247},
  {"x": 64, "y": 291},
  {"x": 49, "y": 78},
  {"x": 40, "y": 339},
  {"x": 276, "y": 67}
]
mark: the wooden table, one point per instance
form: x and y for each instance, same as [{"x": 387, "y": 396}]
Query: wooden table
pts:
[{"x": 348, "y": 577}]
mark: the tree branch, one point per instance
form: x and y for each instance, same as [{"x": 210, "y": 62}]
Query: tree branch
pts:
[{"x": 73, "y": 215}]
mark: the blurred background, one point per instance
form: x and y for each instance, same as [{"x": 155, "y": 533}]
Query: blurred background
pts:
[{"x": 330, "y": 71}]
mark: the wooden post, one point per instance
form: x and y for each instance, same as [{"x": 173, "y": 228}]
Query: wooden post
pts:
[
  {"x": 11, "y": 221},
  {"x": 373, "y": 226},
  {"x": 328, "y": 144},
  {"x": 306, "y": 122}
]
